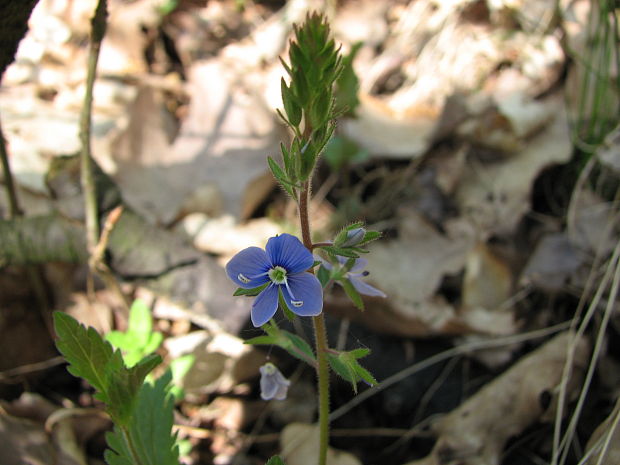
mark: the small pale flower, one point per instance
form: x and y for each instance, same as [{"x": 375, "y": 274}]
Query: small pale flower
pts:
[
  {"x": 273, "y": 384},
  {"x": 283, "y": 267},
  {"x": 354, "y": 274}
]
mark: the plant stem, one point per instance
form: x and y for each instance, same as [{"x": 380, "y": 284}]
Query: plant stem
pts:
[
  {"x": 98, "y": 24},
  {"x": 9, "y": 185},
  {"x": 320, "y": 337}
]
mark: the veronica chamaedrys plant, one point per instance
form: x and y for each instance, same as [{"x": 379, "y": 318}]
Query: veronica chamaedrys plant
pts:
[
  {"x": 281, "y": 270},
  {"x": 283, "y": 273}
]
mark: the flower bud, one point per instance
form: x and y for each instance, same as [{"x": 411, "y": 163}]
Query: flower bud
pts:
[{"x": 354, "y": 237}]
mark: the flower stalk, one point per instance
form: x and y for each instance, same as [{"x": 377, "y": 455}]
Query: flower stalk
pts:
[{"x": 320, "y": 338}]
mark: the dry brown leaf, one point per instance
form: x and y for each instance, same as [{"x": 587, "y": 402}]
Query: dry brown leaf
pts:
[
  {"x": 494, "y": 196},
  {"x": 476, "y": 432},
  {"x": 24, "y": 441},
  {"x": 412, "y": 266},
  {"x": 221, "y": 360},
  {"x": 488, "y": 279},
  {"x": 609, "y": 152},
  {"x": 299, "y": 443},
  {"x": 552, "y": 263},
  {"x": 593, "y": 223},
  {"x": 222, "y": 236}
]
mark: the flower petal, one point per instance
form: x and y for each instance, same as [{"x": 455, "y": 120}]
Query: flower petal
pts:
[
  {"x": 365, "y": 288},
  {"x": 247, "y": 264},
  {"x": 307, "y": 292},
  {"x": 359, "y": 265},
  {"x": 273, "y": 384},
  {"x": 265, "y": 305},
  {"x": 287, "y": 251}
]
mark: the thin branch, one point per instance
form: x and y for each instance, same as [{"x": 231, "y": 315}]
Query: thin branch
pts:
[
  {"x": 98, "y": 24},
  {"x": 9, "y": 184}
]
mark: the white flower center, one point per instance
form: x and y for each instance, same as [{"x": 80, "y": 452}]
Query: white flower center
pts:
[{"x": 277, "y": 275}]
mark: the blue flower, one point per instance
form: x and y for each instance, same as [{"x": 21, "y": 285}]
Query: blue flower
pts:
[
  {"x": 354, "y": 274},
  {"x": 283, "y": 267},
  {"x": 273, "y": 384}
]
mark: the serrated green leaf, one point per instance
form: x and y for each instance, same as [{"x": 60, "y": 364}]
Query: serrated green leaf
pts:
[
  {"x": 342, "y": 368},
  {"x": 250, "y": 292},
  {"x": 149, "y": 429},
  {"x": 291, "y": 107},
  {"x": 275, "y": 460},
  {"x": 300, "y": 344},
  {"x": 359, "y": 353},
  {"x": 364, "y": 374},
  {"x": 280, "y": 176},
  {"x": 85, "y": 351},
  {"x": 124, "y": 385},
  {"x": 370, "y": 236},
  {"x": 352, "y": 293}
]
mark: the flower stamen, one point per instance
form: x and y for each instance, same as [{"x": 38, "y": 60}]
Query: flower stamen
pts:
[
  {"x": 244, "y": 279},
  {"x": 277, "y": 275}
]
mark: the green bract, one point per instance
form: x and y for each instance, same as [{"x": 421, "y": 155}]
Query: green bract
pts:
[{"x": 308, "y": 99}]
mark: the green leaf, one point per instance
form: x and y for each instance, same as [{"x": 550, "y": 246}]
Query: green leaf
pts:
[
  {"x": 85, "y": 351},
  {"x": 288, "y": 313},
  {"x": 342, "y": 367},
  {"x": 250, "y": 292},
  {"x": 179, "y": 367},
  {"x": 360, "y": 352},
  {"x": 343, "y": 252},
  {"x": 275, "y": 460},
  {"x": 347, "y": 85},
  {"x": 125, "y": 384},
  {"x": 280, "y": 176},
  {"x": 140, "y": 321},
  {"x": 300, "y": 344},
  {"x": 139, "y": 339},
  {"x": 291, "y": 107},
  {"x": 149, "y": 430},
  {"x": 92, "y": 358},
  {"x": 370, "y": 236},
  {"x": 352, "y": 293},
  {"x": 265, "y": 340},
  {"x": 323, "y": 276},
  {"x": 364, "y": 374}
]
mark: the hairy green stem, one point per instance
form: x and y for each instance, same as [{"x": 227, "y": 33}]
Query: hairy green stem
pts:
[{"x": 320, "y": 336}]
